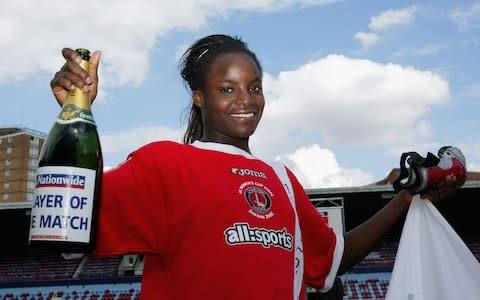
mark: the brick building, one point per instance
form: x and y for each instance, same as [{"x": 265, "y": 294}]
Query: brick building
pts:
[{"x": 19, "y": 152}]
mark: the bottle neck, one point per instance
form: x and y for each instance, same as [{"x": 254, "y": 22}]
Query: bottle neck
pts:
[
  {"x": 77, "y": 96},
  {"x": 77, "y": 107}
]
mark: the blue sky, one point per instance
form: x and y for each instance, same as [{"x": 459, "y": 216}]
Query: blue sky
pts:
[{"x": 349, "y": 85}]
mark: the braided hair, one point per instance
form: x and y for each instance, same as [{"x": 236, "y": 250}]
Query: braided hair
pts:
[{"x": 195, "y": 63}]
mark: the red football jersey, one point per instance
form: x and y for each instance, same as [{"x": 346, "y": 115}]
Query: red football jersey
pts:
[{"x": 214, "y": 222}]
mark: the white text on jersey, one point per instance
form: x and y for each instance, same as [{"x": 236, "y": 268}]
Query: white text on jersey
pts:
[
  {"x": 244, "y": 172},
  {"x": 241, "y": 233}
]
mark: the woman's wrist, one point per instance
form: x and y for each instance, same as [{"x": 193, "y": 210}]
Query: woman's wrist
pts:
[{"x": 404, "y": 198}]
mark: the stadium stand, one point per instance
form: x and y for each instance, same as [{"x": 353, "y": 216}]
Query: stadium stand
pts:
[
  {"x": 98, "y": 267},
  {"x": 80, "y": 294},
  {"x": 379, "y": 260},
  {"x": 48, "y": 276},
  {"x": 365, "y": 289},
  {"x": 40, "y": 267}
]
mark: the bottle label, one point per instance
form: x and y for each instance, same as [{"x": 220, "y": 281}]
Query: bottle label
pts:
[
  {"x": 72, "y": 113},
  {"x": 63, "y": 205}
]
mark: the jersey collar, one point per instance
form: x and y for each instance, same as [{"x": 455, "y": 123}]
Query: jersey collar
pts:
[{"x": 222, "y": 148}]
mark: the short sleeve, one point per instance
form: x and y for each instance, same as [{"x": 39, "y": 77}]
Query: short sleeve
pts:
[{"x": 132, "y": 216}]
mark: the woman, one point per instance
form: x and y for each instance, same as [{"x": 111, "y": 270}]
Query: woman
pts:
[{"x": 213, "y": 221}]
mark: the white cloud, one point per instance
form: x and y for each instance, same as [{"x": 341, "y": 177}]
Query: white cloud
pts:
[
  {"x": 367, "y": 38},
  {"x": 384, "y": 21},
  {"x": 126, "y": 31},
  {"x": 466, "y": 17},
  {"x": 341, "y": 100},
  {"x": 392, "y": 17},
  {"x": 316, "y": 167}
]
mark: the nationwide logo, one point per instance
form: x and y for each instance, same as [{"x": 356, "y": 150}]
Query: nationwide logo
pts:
[
  {"x": 61, "y": 180},
  {"x": 248, "y": 172},
  {"x": 242, "y": 233}
]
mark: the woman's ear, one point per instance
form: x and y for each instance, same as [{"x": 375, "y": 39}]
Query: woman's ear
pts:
[{"x": 197, "y": 98}]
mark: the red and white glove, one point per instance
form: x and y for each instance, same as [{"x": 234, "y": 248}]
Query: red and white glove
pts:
[{"x": 421, "y": 175}]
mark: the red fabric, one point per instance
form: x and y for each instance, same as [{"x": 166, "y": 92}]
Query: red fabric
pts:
[{"x": 212, "y": 225}]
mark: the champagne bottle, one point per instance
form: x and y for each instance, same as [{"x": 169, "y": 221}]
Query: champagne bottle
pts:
[{"x": 66, "y": 198}]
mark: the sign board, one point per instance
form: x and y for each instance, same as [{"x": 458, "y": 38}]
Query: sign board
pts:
[{"x": 333, "y": 216}]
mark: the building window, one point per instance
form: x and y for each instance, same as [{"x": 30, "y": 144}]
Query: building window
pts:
[
  {"x": 5, "y": 196},
  {"x": 7, "y": 173},
  {"x": 8, "y": 162},
  {"x": 9, "y": 139},
  {"x": 29, "y": 196},
  {"x": 9, "y": 150},
  {"x": 0, "y": 141},
  {"x": 6, "y": 185}
]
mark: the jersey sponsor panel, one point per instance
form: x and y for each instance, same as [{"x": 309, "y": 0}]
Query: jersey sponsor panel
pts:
[{"x": 242, "y": 233}]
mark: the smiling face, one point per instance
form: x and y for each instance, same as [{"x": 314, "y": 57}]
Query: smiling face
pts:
[{"x": 231, "y": 101}]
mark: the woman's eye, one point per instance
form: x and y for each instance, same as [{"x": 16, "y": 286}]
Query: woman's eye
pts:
[
  {"x": 226, "y": 90},
  {"x": 256, "y": 89}
]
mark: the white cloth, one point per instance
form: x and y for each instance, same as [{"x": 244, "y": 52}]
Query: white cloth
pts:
[{"x": 432, "y": 262}]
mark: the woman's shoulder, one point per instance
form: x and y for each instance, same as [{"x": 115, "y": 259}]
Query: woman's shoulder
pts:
[
  {"x": 164, "y": 145},
  {"x": 157, "y": 147}
]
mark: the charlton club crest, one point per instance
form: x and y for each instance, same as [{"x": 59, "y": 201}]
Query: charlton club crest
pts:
[{"x": 258, "y": 198}]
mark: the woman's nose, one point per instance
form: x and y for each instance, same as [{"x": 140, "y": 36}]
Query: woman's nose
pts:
[{"x": 244, "y": 97}]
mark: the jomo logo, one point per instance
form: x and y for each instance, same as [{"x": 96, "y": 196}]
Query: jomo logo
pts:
[
  {"x": 248, "y": 172},
  {"x": 61, "y": 180},
  {"x": 241, "y": 233}
]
